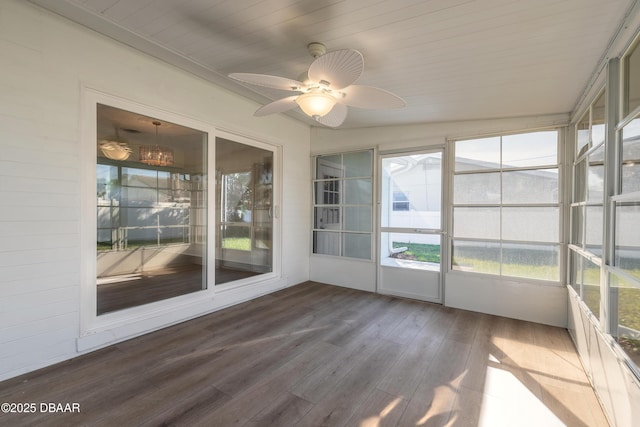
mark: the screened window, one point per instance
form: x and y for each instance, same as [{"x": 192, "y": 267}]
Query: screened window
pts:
[
  {"x": 605, "y": 213},
  {"x": 505, "y": 206},
  {"x": 632, "y": 80},
  {"x": 631, "y": 157},
  {"x": 587, "y": 206},
  {"x": 343, "y": 205},
  {"x": 588, "y": 191},
  {"x": 623, "y": 273}
]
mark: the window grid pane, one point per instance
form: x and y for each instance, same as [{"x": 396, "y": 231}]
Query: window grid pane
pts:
[
  {"x": 530, "y": 261},
  {"x": 595, "y": 175},
  {"x": 575, "y": 271},
  {"x": 516, "y": 217},
  {"x": 627, "y": 238},
  {"x": 631, "y": 157},
  {"x": 624, "y": 296},
  {"x": 343, "y": 205},
  {"x": 632, "y": 80},
  {"x": 477, "y": 154},
  {"x": 476, "y": 188},
  {"x": 466, "y": 220},
  {"x": 530, "y": 186},
  {"x": 531, "y": 224},
  {"x": 591, "y": 286},
  {"x": 476, "y": 257},
  {"x": 530, "y": 149},
  {"x": 583, "y": 135}
]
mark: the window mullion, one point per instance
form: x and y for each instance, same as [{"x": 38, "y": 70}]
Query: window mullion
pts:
[{"x": 612, "y": 157}]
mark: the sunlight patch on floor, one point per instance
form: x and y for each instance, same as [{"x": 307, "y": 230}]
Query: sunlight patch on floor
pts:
[
  {"x": 118, "y": 279},
  {"x": 507, "y": 400},
  {"x": 377, "y": 420}
]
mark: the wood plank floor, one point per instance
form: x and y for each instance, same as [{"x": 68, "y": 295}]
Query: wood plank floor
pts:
[
  {"x": 156, "y": 285},
  {"x": 319, "y": 355}
]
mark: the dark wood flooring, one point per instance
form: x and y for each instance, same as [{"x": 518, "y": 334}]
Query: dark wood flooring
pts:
[
  {"x": 157, "y": 285},
  {"x": 319, "y": 355}
]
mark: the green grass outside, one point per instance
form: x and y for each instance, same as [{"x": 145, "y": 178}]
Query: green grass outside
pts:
[
  {"x": 540, "y": 272},
  {"x": 628, "y": 300},
  {"x": 104, "y": 246},
  {"x": 135, "y": 244},
  {"x": 238, "y": 243},
  {"x": 431, "y": 253},
  {"x": 420, "y": 251},
  {"x": 628, "y": 308}
]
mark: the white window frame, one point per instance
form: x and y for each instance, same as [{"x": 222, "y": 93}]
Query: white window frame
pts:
[
  {"x": 135, "y": 320},
  {"x": 97, "y": 331},
  {"x": 341, "y": 205},
  {"x": 607, "y": 318},
  {"x": 500, "y": 241},
  {"x": 276, "y": 271}
]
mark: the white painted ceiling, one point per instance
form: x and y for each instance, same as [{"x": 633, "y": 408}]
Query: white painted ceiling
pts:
[{"x": 449, "y": 59}]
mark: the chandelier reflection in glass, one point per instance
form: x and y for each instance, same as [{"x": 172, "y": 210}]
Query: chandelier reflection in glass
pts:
[{"x": 156, "y": 155}]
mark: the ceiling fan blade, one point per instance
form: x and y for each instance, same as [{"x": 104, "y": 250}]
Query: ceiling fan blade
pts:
[
  {"x": 370, "y": 97},
  {"x": 265, "y": 80},
  {"x": 335, "y": 117},
  {"x": 284, "y": 104},
  {"x": 338, "y": 68}
]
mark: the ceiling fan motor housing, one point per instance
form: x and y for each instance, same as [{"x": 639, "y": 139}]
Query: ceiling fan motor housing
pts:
[{"x": 316, "y": 49}]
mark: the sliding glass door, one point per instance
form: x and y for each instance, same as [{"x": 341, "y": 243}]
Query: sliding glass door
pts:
[{"x": 153, "y": 215}]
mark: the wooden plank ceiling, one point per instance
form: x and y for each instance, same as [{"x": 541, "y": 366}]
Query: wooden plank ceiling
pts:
[{"x": 449, "y": 59}]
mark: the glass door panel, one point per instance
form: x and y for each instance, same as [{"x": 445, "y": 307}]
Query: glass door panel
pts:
[
  {"x": 411, "y": 225},
  {"x": 151, "y": 211},
  {"x": 244, "y": 215}
]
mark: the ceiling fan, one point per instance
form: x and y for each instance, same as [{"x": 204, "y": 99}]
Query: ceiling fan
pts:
[{"x": 328, "y": 90}]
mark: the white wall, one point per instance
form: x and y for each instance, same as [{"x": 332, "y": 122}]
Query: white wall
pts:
[
  {"x": 505, "y": 297},
  {"x": 508, "y": 297},
  {"x": 325, "y": 140},
  {"x": 350, "y": 273},
  {"x": 46, "y": 61}
]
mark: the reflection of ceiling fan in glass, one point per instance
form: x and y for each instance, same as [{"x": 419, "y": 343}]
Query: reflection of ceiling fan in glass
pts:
[
  {"x": 115, "y": 148},
  {"x": 328, "y": 90}
]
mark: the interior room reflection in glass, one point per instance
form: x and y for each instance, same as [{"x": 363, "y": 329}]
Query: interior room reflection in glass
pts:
[
  {"x": 244, "y": 213},
  {"x": 151, "y": 209}
]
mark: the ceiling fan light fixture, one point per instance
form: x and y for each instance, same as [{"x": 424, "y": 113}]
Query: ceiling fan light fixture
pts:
[
  {"x": 316, "y": 104},
  {"x": 326, "y": 89},
  {"x": 115, "y": 149}
]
